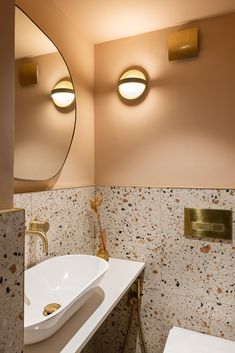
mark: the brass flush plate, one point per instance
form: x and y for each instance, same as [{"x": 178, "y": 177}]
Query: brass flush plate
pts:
[{"x": 208, "y": 223}]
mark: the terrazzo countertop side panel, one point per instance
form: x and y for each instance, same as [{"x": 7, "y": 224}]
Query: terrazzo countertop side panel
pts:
[
  {"x": 11, "y": 280},
  {"x": 25, "y": 201}
]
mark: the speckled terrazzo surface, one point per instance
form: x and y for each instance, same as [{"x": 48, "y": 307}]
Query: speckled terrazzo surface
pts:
[
  {"x": 188, "y": 283},
  {"x": 11, "y": 281},
  {"x": 71, "y": 222}
]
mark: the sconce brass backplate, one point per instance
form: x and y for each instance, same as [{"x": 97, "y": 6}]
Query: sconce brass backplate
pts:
[
  {"x": 183, "y": 44},
  {"x": 209, "y": 223}
]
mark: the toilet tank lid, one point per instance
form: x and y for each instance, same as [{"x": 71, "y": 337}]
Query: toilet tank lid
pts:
[{"x": 184, "y": 341}]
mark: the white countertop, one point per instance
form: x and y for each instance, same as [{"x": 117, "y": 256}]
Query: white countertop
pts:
[{"x": 75, "y": 334}]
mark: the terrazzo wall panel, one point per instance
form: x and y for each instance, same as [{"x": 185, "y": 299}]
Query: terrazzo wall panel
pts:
[
  {"x": 188, "y": 283},
  {"x": 11, "y": 280},
  {"x": 71, "y": 222}
]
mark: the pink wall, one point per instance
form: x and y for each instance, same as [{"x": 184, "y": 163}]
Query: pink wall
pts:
[
  {"x": 79, "y": 55},
  {"x": 182, "y": 134},
  {"x": 43, "y": 133},
  {"x": 6, "y": 102}
]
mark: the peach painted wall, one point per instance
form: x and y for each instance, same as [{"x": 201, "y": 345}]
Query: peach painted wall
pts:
[
  {"x": 6, "y": 102},
  {"x": 79, "y": 55},
  {"x": 43, "y": 133},
  {"x": 182, "y": 134}
]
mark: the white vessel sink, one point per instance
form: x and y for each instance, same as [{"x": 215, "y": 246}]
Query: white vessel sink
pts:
[{"x": 65, "y": 280}]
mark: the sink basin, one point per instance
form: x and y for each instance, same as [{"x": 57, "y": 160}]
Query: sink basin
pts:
[{"x": 64, "y": 280}]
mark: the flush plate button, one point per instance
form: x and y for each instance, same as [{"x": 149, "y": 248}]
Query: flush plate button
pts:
[{"x": 210, "y": 223}]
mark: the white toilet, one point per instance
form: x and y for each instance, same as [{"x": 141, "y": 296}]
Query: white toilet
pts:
[{"x": 185, "y": 341}]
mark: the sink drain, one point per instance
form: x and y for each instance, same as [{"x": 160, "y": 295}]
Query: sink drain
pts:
[{"x": 50, "y": 308}]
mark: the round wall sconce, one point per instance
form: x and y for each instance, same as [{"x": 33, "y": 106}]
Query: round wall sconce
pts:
[
  {"x": 133, "y": 85},
  {"x": 63, "y": 94}
]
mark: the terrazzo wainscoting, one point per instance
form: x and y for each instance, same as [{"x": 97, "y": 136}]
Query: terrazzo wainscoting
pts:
[
  {"x": 11, "y": 280},
  {"x": 70, "y": 218},
  {"x": 188, "y": 283}
]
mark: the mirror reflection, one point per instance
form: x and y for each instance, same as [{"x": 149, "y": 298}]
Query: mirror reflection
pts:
[{"x": 43, "y": 129}]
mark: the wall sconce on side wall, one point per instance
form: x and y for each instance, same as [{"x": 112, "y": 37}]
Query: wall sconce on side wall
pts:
[
  {"x": 133, "y": 85},
  {"x": 63, "y": 95}
]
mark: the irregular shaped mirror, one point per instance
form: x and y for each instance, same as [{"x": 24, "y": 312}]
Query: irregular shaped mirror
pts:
[{"x": 43, "y": 129}]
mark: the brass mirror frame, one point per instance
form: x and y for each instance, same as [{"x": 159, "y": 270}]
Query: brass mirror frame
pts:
[{"x": 28, "y": 185}]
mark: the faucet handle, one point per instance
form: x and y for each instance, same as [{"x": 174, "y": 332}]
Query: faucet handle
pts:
[{"x": 39, "y": 226}]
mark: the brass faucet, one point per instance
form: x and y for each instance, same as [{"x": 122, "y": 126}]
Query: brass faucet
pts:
[{"x": 39, "y": 228}]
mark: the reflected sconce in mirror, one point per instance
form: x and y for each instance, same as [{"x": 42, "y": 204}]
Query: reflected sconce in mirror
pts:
[
  {"x": 183, "y": 44},
  {"x": 133, "y": 85},
  {"x": 63, "y": 94}
]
